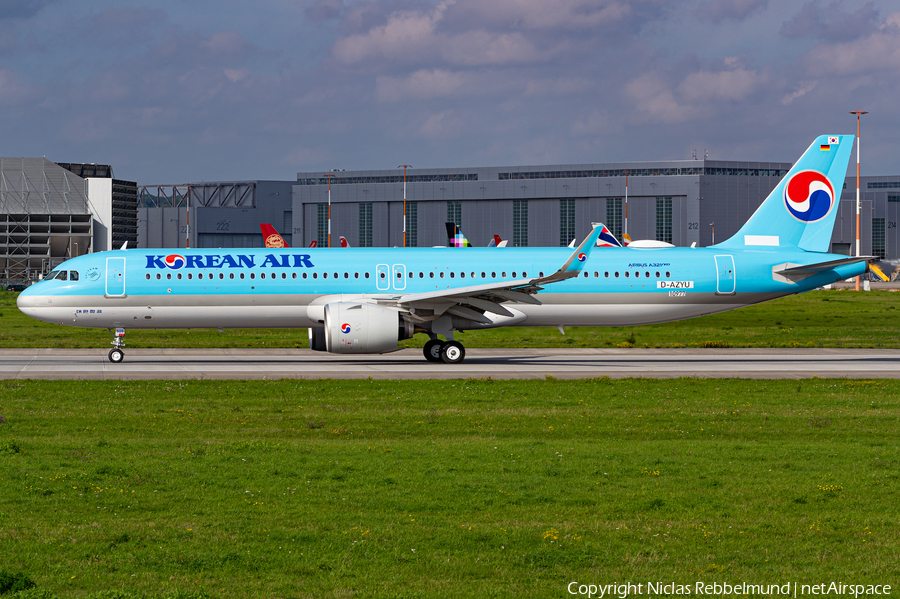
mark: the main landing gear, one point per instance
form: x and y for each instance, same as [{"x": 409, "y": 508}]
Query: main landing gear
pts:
[
  {"x": 116, "y": 355},
  {"x": 451, "y": 352}
]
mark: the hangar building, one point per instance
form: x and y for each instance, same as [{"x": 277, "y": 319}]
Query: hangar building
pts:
[
  {"x": 52, "y": 212},
  {"x": 680, "y": 202}
]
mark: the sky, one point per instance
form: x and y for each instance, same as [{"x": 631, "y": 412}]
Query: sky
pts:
[{"x": 178, "y": 91}]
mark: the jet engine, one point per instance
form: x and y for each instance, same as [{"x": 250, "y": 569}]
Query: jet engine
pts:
[{"x": 361, "y": 328}]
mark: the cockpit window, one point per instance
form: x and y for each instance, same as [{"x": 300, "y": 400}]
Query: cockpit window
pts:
[
  {"x": 62, "y": 276},
  {"x": 51, "y": 275},
  {"x": 73, "y": 275}
]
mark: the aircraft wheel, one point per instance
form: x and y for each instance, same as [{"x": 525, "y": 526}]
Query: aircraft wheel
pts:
[
  {"x": 433, "y": 350},
  {"x": 453, "y": 352},
  {"x": 116, "y": 355}
]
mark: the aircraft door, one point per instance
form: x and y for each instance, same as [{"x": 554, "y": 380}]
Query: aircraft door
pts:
[
  {"x": 725, "y": 277},
  {"x": 399, "y": 277},
  {"x": 115, "y": 277},
  {"x": 382, "y": 277}
]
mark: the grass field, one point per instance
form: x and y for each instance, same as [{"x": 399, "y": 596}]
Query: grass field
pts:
[
  {"x": 467, "y": 488},
  {"x": 814, "y": 319}
]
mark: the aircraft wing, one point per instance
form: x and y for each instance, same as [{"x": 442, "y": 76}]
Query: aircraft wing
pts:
[{"x": 473, "y": 300}]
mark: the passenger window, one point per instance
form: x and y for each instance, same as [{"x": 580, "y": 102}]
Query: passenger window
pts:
[
  {"x": 647, "y": 274},
  {"x": 367, "y": 275},
  {"x": 304, "y": 275},
  {"x": 324, "y": 275},
  {"x": 336, "y": 276},
  {"x": 64, "y": 275},
  {"x": 627, "y": 274},
  {"x": 617, "y": 274},
  {"x": 514, "y": 274},
  {"x": 221, "y": 275},
  {"x": 178, "y": 276},
  {"x": 503, "y": 274},
  {"x": 148, "y": 277},
  {"x": 493, "y": 274},
  {"x": 586, "y": 274},
  {"x": 382, "y": 276},
  {"x": 596, "y": 275},
  {"x": 230, "y": 275},
  {"x": 668, "y": 274},
  {"x": 421, "y": 275},
  {"x": 657, "y": 274},
  {"x": 462, "y": 275},
  {"x": 524, "y": 274},
  {"x": 541, "y": 274},
  {"x": 482, "y": 275},
  {"x": 473, "y": 275},
  {"x": 274, "y": 276},
  {"x": 252, "y": 275},
  {"x": 190, "y": 276},
  {"x": 169, "y": 276},
  {"x": 315, "y": 275},
  {"x": 346, "y": 275},
  {"x": 431, "y": 275},
  {"x": 73, "y": 275},
  {"x": 262, "y": 275},
  {"x": 241, "y": 276},
  {"x": 637, "y": 274},
  {"x": 442, "y": 274},
  {"x": 452, "y": 274},
  {"x": 293, "y": 275},
  {"x": 606, "y": 274},
  {"x": 158, "y": 276},
  {"x": 356, "y": 275}
]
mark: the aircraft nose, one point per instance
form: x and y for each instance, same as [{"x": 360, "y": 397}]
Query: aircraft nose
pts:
[{"x": 28, "y": 300}]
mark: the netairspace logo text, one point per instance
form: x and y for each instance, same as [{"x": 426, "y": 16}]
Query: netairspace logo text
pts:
[{"x": 719, "y": 589}]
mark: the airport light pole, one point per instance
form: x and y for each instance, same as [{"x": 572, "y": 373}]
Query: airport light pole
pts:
[
  {"x": 625, "y": 228},
  {"x": 404, "y": 167},
  {"x": 858, "y": 114},
  {"x": 330, "y": 176}
]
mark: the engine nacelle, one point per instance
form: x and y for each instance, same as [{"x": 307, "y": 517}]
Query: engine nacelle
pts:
[{"x": 361, "y": 328}]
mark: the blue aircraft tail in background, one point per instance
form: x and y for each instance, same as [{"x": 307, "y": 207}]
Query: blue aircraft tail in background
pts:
[{"x": 801, "y": 210}]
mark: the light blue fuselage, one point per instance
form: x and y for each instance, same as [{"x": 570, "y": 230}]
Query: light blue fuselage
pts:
[{"x": 271, "y": 288}]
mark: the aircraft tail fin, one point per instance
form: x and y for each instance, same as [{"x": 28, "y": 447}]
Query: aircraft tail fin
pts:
[
  {"x": 271, "y": 237},
  {"x": 801, "y": 210},
  {"x": 455, "y": 237},
  {"x": 607, "y": 239},
  {"x": 344, "y": 242}
]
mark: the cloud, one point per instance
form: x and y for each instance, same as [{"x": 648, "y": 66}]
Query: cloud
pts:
[
  {"x": 879, "y": 51},
  {"x": 654, "y": 100},
  {"x": 804, "y": 89},
  {"x": 730, "y": 10},
  {"x": 423, "y": 85},
  {"x": 442, "y": 125},
  {"x": 592, "y": 124},
  {"x": 22, "y": 9},
  {"x": 831, "y": 23},
  {"x": 544, "y": 14},
  {"x": 324, "y": 10},
  {"x": 724, "y": 85},
  {"x": 405, "y": 34}
]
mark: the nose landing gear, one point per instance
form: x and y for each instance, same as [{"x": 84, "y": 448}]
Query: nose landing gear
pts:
[{"x": 116, "y": 355}]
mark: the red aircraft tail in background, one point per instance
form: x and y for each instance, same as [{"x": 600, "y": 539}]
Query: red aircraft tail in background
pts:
[{"x": 272, "y": 237}]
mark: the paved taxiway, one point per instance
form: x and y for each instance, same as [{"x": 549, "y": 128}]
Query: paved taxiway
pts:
[{"x": 480, "y": 363}]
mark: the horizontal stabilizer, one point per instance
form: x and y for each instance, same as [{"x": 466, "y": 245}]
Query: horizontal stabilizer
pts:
[{"x": 811, "y": 269}]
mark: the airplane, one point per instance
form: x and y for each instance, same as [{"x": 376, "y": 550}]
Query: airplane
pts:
[
  {"x": 455, "y": 238},
  {"x": 273, "y": 238},
  {"x": 366, "y": 300}
]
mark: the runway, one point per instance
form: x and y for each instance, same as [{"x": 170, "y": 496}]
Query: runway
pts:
[{"x": 92, "y": 364}]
